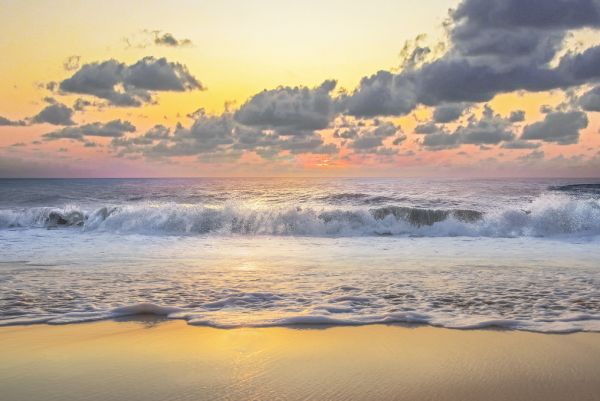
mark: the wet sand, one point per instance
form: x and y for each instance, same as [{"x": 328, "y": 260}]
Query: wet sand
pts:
[{"x": 150, "y": 360}]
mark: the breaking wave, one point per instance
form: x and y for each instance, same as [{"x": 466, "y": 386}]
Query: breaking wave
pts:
[{"x": 547, "y": 215}]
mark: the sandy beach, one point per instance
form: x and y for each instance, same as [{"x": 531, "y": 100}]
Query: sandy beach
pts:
[{"x": 146, "y": 359}]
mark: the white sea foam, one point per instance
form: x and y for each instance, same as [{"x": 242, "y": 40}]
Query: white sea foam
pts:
[{"x": 569, "y": 324}]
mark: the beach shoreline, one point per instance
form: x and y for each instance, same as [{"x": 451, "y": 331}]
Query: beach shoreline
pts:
[{"x": 145, "y": 358}]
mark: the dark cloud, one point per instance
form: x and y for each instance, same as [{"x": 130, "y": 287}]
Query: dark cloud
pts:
[
  {"x": 446, "y": 113},
  {"x": 101, "y": 80},
  {"x": 218, "y": 138},
  {"x": 56, "y": 114},
  {"x": 441, "y": 140},
  {"x": 269, "y": 144},
  {"x": 542, "y": 14},
  {"x": 167, "y": 39},
  {"x": 520, "y": 144},
  {"x": 154, "y": 74},
  {"x": 427, "y": 128},
  {"x": 50, "y": 86},
  {"x": 345, "y": 132},
  {"x": 288, "y": 111},
  {"x": 5, "y": 122},
  {"x": 590, "y": 101},
  {"x": 490, "y": 129},
  {"x": 370, "y": 139},
  {"x": 112, "y": 129},
  {"x": 130, "y": 85},
  {"x": 517, "y": 116},
  {"x": 516, "y": 33},
  {"x": 81, "y": 104},
  {"x": 495, "y": 47},
  {"x": 559, "y": 127},
  {"x": 207, "y": 134},
  {"x": 306, "y": 144},
  {"x": 383, "y": 93}
]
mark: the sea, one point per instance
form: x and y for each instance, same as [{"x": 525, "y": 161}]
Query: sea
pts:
[{"x": 513, "y": 254}]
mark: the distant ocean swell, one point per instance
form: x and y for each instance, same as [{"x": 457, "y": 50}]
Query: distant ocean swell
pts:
[{"x": 547, "y": 215}]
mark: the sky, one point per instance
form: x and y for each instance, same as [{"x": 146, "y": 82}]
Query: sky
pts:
[{"x": 461, "y": 88}]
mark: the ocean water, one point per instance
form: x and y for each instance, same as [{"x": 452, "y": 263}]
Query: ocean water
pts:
[{"x": 517, "y": 254}]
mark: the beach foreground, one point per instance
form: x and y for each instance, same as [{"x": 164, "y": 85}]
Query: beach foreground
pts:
[{"x": 146, "y": 359}]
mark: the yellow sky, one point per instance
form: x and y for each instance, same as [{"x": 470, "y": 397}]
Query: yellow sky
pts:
[{"x": 239, "y": 48}]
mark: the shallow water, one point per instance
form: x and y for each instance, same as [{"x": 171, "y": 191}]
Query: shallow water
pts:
[{"x": 228, "y": 253}]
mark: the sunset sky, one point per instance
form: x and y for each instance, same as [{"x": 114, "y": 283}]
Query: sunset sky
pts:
[{"x": 287, "y": 88}]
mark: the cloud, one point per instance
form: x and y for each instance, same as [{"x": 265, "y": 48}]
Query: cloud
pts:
[
  {"x": 490, "y": 129},
  {"x": 56, "y": 114},
  {"x": 562, "y": 14},
  {"x": 111, "y": 129},
  {"x": 71, "y": 63},
  {"x": 440, "y": 140},
  {"x": 288, "y": 111},
  {"x": 590, "y": 101},
  {"x": 297, "y": 145},
  {"x": 370, "y": 139},
  {"x": 5, "y": 122},
  {"x": 520, "y": 144},
  {"x": 517, "y": 116},
  {"x": 154, "y": 74},
  {"x": 512, "y": 34},
  {"x": 535, "y": 155},
  {"x": 147, "y": 38},
  {"x": 207, "y": 134},
  {"x": 427, "y": 128},
  {"x": 81, "y": 104},
  {"x": 130, "y": 85},
  {"x": 167, "y": 39},
  {"x": 495, "y": 47},
  {"x": 446, "y": 113},
  {"x": 218, "y": 138},
  {"x": 382, "y": 94},
  {"x": 559, "y": 127}
]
